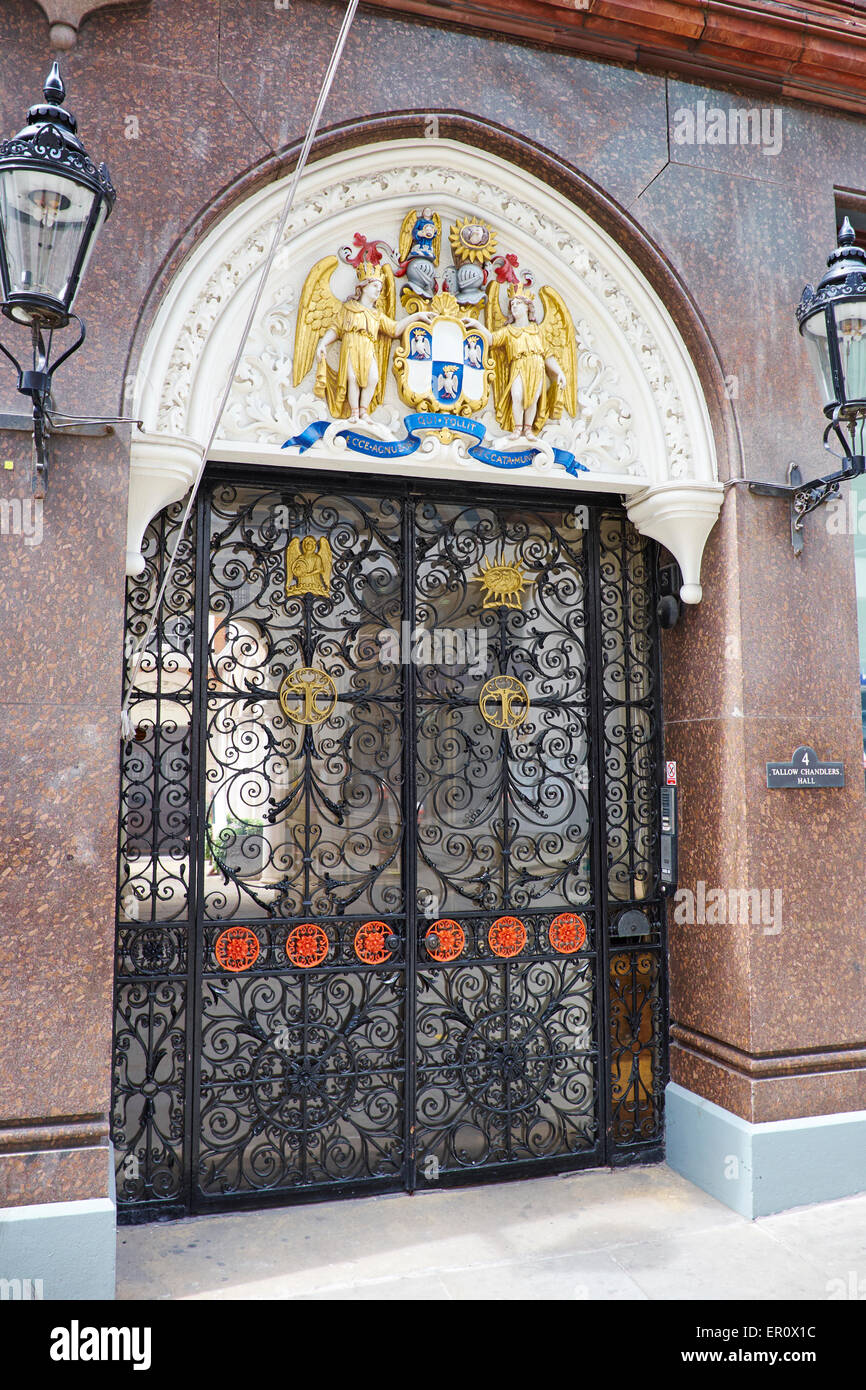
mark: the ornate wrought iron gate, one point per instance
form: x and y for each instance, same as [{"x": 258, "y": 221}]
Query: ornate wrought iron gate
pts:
[{"x": 389, "y": 912}]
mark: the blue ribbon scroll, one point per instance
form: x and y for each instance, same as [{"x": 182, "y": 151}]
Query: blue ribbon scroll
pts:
[{"x": 435, "y": 420}]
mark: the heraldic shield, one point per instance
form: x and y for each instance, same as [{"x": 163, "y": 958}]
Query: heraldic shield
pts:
[{"x": 443, "y": 366}]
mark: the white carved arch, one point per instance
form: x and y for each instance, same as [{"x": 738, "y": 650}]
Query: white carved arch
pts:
[{"x": 643, "y": 429}]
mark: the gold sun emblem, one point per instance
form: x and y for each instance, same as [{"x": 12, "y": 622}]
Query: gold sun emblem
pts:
[
  {"x": 503, "y": 584},
  {"x": 472, "y": 240}
]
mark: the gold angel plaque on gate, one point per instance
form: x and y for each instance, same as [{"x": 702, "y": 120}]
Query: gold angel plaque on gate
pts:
[{"x": 308, "y": 567}]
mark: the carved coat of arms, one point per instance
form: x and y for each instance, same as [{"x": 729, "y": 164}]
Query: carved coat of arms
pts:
[
  {"x": 476, "y": 328},
  {"x": 443, "y": 365}
]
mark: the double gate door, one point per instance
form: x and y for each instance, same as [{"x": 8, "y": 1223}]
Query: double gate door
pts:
[{"x": 392, "y": 789}]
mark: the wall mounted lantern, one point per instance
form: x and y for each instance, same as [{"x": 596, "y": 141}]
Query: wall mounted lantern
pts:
[
  {"x": 53, "y": 202},
  {"x": 832, "y": 321}
]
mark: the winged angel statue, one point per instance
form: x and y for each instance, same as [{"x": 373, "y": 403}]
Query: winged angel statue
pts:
[
  {"x": 364, "y": 325},
  {"x": 535, "y": 367},
  {"x": 418, "y": 251}
]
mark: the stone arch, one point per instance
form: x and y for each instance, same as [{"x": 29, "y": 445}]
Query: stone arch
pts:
[{"x": 644, "y": 429}]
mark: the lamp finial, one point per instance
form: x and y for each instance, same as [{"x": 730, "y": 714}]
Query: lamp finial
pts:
[{"x": 54, "y": 90}]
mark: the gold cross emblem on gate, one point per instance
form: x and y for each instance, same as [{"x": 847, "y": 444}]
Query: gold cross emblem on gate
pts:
[
  {"x": 504, "y": 702},
  {"x": 316, "y": 691}
]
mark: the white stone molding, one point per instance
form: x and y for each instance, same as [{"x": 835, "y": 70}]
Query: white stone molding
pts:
[
  {"x": 162, "y": 470},
  {"x": 643, "y": 429},
  {"x": 67, "y": 16},
  {"x": 681, "y": 516}
]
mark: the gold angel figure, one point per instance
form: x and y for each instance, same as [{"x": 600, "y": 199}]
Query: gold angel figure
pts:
[
  {"x": 308, "y": 567},
  {"x": 535, "y": 362},
  {"x": 363, "y": 324},
  {"x": 420, "y": 235}
]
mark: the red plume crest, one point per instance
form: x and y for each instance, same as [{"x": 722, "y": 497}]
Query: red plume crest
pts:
[
  {"x": 367, "y": 251},
  {"x": 505, "y": 269}
]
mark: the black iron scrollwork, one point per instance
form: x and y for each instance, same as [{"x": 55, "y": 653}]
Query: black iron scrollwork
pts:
[{"x": 375, "y": 918}]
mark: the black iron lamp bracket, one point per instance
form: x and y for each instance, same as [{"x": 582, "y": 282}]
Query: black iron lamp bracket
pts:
[
  {"x": 808, "y": 497},
  {"x": 36, "y": 382},
  {"x": 803, "y": 497}
]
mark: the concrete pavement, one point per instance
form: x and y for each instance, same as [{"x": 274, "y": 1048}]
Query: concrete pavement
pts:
[{"x": 639, "y": 1233}]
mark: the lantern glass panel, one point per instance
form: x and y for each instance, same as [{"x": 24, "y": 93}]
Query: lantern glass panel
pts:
[
  {"x": 815, "y": 336},
  {"x": 850, "y": 318},
  {"x": 44, "y": 217}
]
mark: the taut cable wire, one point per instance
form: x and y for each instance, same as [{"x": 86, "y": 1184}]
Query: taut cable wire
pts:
[{"x": 126, "y": 729}]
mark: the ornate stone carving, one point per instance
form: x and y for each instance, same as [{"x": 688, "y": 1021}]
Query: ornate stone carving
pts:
[
  {"x": 262, "y": 402},
  {"x": 66, "y": 16},
  {"x": 641, "y": 422}
]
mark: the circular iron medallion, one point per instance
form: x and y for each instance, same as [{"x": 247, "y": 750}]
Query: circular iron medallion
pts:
[
  {"x": 370, "y": 943},
  {"x": 507, "y": 1061},
  {"x": 308, "y": 695},
  {"x": 504, "y": 702},
  {"x": 237, "y": 948},
  {"x": 567, "y": 933},
  {"x": 307, "y": 945},
  {"x": 507, "y": 936},
  {"x": 450, "y": 938},
  {"x": 307, "y": 1081}
]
